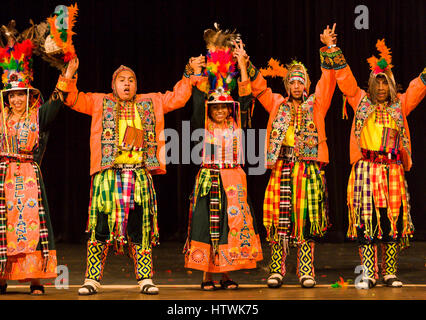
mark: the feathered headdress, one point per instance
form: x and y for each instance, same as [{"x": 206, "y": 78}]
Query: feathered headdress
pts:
[
  {"x": 384, "y": 63},
  {"x": 293, "y": 71},
  {"x": 219, "y": 39},
  {"x": 61, "y": 25},
  {"x": 220, "y": 68},
  {"x": 16, "y": 62}
]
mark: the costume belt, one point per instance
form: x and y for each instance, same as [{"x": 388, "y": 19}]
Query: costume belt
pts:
[
  {"x": 220, "y": 165},
  {"x": 128, "y": 166},
  {"x": 22, "y": 157},
  {"x": 381, "y": 156}
]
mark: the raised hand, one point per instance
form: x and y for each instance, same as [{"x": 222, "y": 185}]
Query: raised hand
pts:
[
  {"x": 242, "y": 58},
  {"x": 197, "y": 63},
  {"x": 328, "y": 37},
  {"x": 240, "y": 55},
  {"x": 71, "y": 68}
]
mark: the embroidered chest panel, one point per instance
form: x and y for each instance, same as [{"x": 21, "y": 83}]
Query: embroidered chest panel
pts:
[
  {"x": 366, "y": 108},
  {"x": 20, "y": 136},
  {"x": 225, "y": 143},
  {"x": 306, "y": 134},
  {"x": 109, "y": 134}
]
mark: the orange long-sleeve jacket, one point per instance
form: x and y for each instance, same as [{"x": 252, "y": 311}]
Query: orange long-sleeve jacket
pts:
[
  {"x": 321, "y": 102},
  {"x": 94, "y": 104},
  {"x": 409, "y": 100}
]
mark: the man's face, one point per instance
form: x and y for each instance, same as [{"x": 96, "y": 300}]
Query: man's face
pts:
[
  {"x": 219, "y": 112},
  {"x": 18, "y": 100},
  {"x": 382, "y": 89},
  {"x": 125, "y": 85},
  {"x": 296, "y": 88}
]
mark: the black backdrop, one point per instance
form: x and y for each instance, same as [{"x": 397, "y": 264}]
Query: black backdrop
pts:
[{"x": 156, "y": 38}]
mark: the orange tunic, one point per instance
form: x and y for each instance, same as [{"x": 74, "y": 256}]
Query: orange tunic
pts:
[
  {"x": 415, "y": 92},
  {"x": 92, "y": 104},
  {"x": 323, "y": 94}
]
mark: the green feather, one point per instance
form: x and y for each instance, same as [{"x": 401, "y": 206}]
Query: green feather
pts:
[{"x": 64, "y": 35}]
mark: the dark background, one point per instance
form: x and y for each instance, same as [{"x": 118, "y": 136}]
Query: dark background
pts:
[{"x": 156, "y": 39}]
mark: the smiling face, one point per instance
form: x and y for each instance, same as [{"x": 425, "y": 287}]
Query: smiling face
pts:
[
  {"x": 219, "y": 112},
  {"x": 18, "y": 100},
  {"x": 125, "y": 85}
]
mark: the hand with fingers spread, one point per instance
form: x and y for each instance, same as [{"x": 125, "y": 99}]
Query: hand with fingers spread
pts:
[
  {"x": 328, "y": 37},
  {"x": 71, "y": 68},
  {"x": 197, "y": 64},
  {"x": 240, "y": 55},
  {"x": 242, "y": 58}
]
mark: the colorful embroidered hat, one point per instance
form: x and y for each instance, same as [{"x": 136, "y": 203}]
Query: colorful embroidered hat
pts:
[{"x": 16, "y": 62}]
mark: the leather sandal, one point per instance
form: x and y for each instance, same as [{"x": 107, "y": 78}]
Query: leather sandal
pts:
[
  {"x": 307, "y": 282},
  {"x": 90, "y": 290},
  {"x": 276, "y": 277},
  {"x": 36, "y": 287},
  {"x": 391, "y": 282},
  {"x": 145, "y": 289},
  {"x": 227, "y": 284},
  {"x": 208, "y": 284}
]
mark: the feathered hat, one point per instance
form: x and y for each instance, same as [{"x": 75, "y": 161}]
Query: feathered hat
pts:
[
  {"x": 53, "y": 37},
  {"x": 292, "y": 71},
  {"x": 381, "y": 67},
  {"x": 384, "y": 63},
  {"x": 16, "y": 62},
  {"x": 220, "y": 68}
]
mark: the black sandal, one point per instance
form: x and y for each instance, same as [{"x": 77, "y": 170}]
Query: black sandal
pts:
[
  {"x": 208, "y": 284},
  {"x": 35, "y": 287},
  {"x": 146, "y": 287},
  {"x": 3, "y": 288},
  {"x": 227, "y": 284},
  {"x": 390, "y": 281},
  {"x": 89, "y": 288}
]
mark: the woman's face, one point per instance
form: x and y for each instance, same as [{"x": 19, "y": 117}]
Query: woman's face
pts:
[
  {"x": 18, "y": 100},
  {"x": 219, "y": 112}
]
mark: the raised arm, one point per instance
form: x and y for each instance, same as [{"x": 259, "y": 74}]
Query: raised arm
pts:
[
  {"x": 415, "y": 93},
  {"x": 332, "y": 58},
  {"x": 245, "y": 96},
  {"x": 324, "y": 89},
  {"x": 258, "y": 86},
  {"x": 67, "y": 83},
  {"x": 172, "y": 100}
]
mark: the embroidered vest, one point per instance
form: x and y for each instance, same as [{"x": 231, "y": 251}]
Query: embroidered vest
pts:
[
  {"x": 366, "y": 108},
  {"x": 306, "y": 136},
  {"x": 224, "y": 143},
  {"x": 109, "y": 133},
  {"x": 21, "y": 137}
]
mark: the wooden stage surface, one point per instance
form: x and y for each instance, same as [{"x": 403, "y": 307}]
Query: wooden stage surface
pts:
[{"x": 332, "y": 263}]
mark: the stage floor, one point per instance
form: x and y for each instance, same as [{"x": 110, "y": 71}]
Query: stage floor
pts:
[{"x": 332, "y": 262}]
